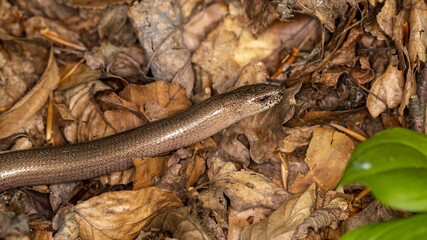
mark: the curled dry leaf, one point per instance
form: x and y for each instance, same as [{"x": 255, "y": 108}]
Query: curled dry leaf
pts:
[
  {"x": 153, "y": 21},
  {"x": 389, "y": 88},
  {"x": 385, "y": 17},
  {"x": 121, "y": 215},
  {"x": 282, "y": 223},
  {"x": 327, "y": 157},
  {"x": 90, "y": 124},
  {"x": 329, "y": 216},
  {"x": 417, "y": 37},
  {"x": 22, "y": 111},
  {"x": 246, "y": 190},
  {"x": 180, "y": 223}
]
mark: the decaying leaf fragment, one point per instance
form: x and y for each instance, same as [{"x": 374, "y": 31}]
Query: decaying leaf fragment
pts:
[
  {"x": 282, "y": 223},
  {"x": 388, "y": 87},
  {"x": 121, "y": 215},
  {"x": 327, "y": 157}
]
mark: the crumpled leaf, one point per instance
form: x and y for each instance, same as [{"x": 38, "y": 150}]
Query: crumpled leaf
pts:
[
  {"x": 329, "y": 216},
  {"x": 245, "y": 190},
  {"x": 121, "y": 215},
  {"x": 153, "y": 21},
  {"x": 389, "y": 88},
  {"x": 230, "y": 46},
  {"x": 23, "y": 110},
  {"x": 327, "y": 157},
  {"x": 282, "y": 223}
]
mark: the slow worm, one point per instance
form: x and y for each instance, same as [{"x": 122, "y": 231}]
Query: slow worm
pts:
[{"x": 86, "y": 160}]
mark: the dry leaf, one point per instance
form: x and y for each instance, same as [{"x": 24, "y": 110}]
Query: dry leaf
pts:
[
  {"x": 329, "y": 216},
  {"x": 389, "y": 88},
  {"x": 238, "y": 220},
  {"x": 121, "y": 215},
  {"x": 196, "y": 29},
  {"x": 327, "y": 157},
  {"x": 195, "y": 169},
  {"x": 22, "y": 111},
  {"x": 248, "y": 189},
  {"x": 153, "y": 21},
  {"x": 385, "y": 17},
  {"x": 147, "y": 170},
  {"x": 230, "y": 46},
  {"x": 417, "y": 36},
  {"x": 282, "y": 223}
]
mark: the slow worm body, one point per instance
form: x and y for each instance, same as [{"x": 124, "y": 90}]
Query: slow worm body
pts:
[{"x": 106, "y": 155}]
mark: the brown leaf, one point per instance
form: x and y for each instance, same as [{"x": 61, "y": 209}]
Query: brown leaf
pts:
[
  {"x": 238, "y": 220},
  {"x": 230, "y": 46},
  {"x": 389, "y": 88},
  {"x": 248, "y": 189},
  {"x": 327, "y": 157},
  {"x": 147, "y": 170},
  {"x": 115, "y": 27},
  {"x": 417, "y": 36},
  {"x": 196, "y": 29},
  {"x": 121, "y": 215},
  {"x": 385, "y": 17},
  {"x": 22, "y": 111},
  {"x": 157, "y": 100},
  {"x": 329, "y": 216},
  {"x": 194, "y": 170},
  {"x": 153, "y": 20},
  {"x": 282, "y": 223}
]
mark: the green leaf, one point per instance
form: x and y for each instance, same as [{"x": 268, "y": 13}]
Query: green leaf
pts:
[
  {"x": 393, "y": 164},
  {"x": 414, "y": 227}
]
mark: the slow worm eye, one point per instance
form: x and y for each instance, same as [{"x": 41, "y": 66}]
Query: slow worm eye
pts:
[{"x": 262, "y": 100}]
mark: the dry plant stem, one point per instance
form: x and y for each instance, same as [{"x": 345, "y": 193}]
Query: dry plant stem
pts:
[
  {"x": 349, "y": 132},
  {"x": 73, "y": 69},
  {"x": 363, "y": 193},
  {"x": 49, "y": 120},
  {"x": 58, "y": 39}
]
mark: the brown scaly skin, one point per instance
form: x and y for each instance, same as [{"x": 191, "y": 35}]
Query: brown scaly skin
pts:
[{"x": 95, "y": 158}]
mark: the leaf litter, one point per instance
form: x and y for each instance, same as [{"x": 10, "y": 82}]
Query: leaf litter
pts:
[{"x": 272, "y": 176}]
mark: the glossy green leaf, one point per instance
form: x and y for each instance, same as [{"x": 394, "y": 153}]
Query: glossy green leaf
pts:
[
  {"x": 414, "y": 227},
  {"x": 393, "y": 164}
]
